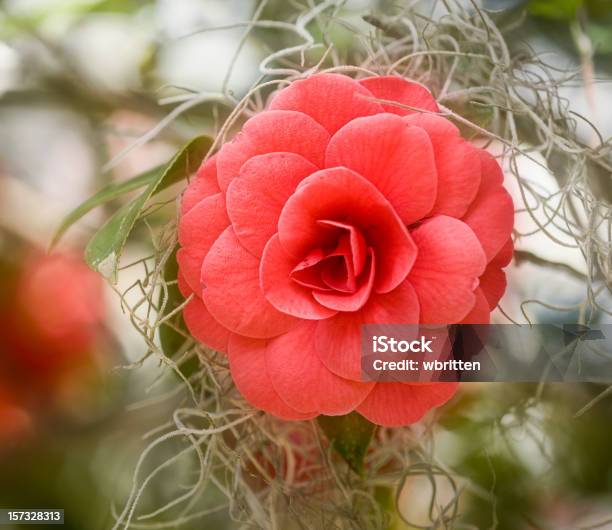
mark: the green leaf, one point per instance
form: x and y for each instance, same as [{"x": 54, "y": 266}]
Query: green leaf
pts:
[
  {"x": 173, "y": 333},
  {"x": 170, "y": 337},
  {"x": 104, "y": 250},
  {"x": 106, "y": 194},
  {"x": 350, "y": 437}
]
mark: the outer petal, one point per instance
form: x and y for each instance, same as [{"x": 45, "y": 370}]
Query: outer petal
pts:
[
  {"x": 198, "y": 230},
  {"x": 203, "y": 185},
  {"x": 397, "y": 159},
  {"x": 491, "y": 215},
  {"x": 301, "y": 379},
  {"x": 457, "y": 163},
  {"x": 281, "y": 291},
  {"x": 338, "y": 339},
  {"x": 230, "y": 275},
  {"x": 504, "y": 256},
  {"x": 493, "y": 285},
  {"x": 255, "y": 199},
  {"x": 393, "y": 88},
  {"x": 493, "y": 281},
  {"x": 330, "y": 99},
  {"x": 201, "y": 225},
  {"x": 397, "y": 404},
  {"x": 190, "y": 267},
  {"x": 248, "y": 365},
  {"x": 449, "y": 262},
  {"x": 270, "y": 132},
  {"x": 183, "y": 286},
  {"x": 339, "y": 194},
  {"x": 481, "y": 312},
  {"x": 204, "y": 327},
  {"x": 491, "y": 171}
]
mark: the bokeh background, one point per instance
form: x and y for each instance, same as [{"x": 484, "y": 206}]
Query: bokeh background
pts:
[{"x": 80, "y": 82}]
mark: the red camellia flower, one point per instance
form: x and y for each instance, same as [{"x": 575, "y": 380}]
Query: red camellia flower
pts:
[{"x": 330, "y": 210}]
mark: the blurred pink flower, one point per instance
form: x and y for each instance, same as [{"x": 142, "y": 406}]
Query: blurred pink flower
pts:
[{"x": 57, "y": 312}]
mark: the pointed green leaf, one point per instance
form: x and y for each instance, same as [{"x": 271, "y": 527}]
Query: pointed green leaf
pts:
[
  {"x": 350, "y": 437},
  {"x": 104, "y": 249},
  {"x": 106, "y": 194}
]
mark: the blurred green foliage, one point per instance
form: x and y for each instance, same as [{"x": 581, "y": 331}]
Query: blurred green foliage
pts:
[
  {"x": 14, "y": 25},
  {"x": 555, "y": 9},
  {"x": 568, "y": 9},
  {"x": 581, "y": 28},
  {"x": 526, "y": 457}
]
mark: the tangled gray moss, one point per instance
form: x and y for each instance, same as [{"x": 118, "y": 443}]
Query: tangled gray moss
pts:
[{"x": 269, "y": 474}]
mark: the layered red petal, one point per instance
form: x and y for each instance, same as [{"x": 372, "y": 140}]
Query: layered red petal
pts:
[
  {"x": 203, "y": 185},
  {"x": 493, "y": 281},
  {"x": 397, "y": 404},
  {"x": 272, "y": 131},
  {"x": 396, "y": 158},
  {"x": 281, "y": 290},
  {"x": 232, "y": 294},
  {"x": 457, "y": 164},
  {"x": 248, "y": 366},
  {"x": 338, "y": 339},
  {"x": 332, "y": 100},
  {"x": 491, "y": 214},
  {"x": 480, "y": 312},
  {"x": 256, "y": 197},
  {"x": 303, "y": 381},
  {"x": 356, "y": 298},
  {"x": 400, "y": 90},
  {"x": 450, "y": 260},
  {"x": 204, "y": 327},
  {"x": 198, "y": 230}
]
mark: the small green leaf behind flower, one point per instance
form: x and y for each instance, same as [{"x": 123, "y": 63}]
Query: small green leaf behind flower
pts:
[
  {"x": 173, "y": 333},
  {"x": 349, "y": 436},
  {"x": 169, "y": 334}
]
